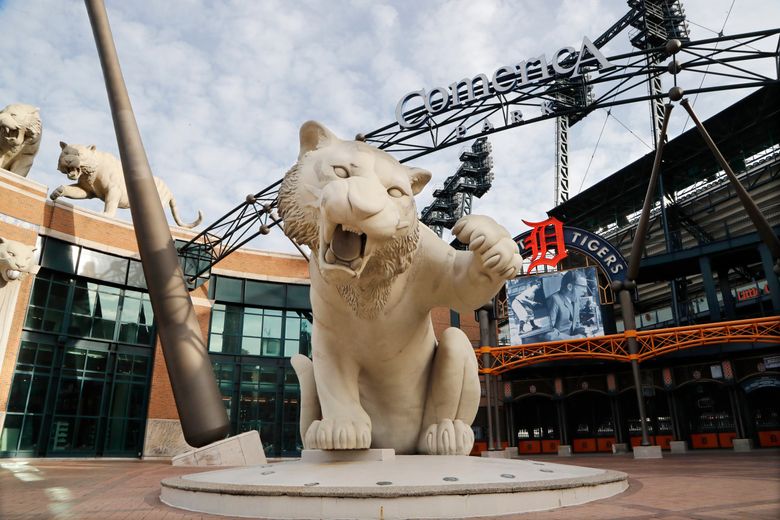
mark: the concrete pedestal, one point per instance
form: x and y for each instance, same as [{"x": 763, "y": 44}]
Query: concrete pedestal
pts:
[
  {"x": 241, "y": 450},
  {"x": 511, "y": 452},
  {"x": 494, "y": 454},
  {"x": 647, "y": 452},
  {"x": 678, "y": 447},
  {"x": 564, "y": 450},
  {"x": 742, "y": 444},
  {"x": 408, "y": 486},
  {"x": 620, "y": 448}
]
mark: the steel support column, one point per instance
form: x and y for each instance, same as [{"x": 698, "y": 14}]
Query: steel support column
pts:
[
  {"x": 198, "y": 400},
  {"x": 484, "y": 340},
  {"x": 561, "y": 159}
]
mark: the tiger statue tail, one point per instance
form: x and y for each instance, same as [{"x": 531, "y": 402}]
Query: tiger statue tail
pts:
[
  {"x": 179, "y": 222},
  {"x": 310, "y": 401}
]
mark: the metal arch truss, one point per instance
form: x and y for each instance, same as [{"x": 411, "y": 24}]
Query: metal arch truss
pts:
[
  {"x": 255, "y": 216},
  {"x": 652, "y": 343},
  {"x": 735, "y": 60}
]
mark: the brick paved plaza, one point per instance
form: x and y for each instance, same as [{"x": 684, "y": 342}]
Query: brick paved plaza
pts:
[{"x": 712, "y": 485}]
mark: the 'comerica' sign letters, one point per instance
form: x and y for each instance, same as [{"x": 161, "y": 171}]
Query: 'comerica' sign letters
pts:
[{"x": 565, "y": 63}]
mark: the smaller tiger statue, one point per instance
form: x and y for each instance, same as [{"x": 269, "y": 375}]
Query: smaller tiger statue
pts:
[
  {"x": 20, "y": 137},
  {"x": 16, "y": 259},
  {"x": 99, "y": 175}
]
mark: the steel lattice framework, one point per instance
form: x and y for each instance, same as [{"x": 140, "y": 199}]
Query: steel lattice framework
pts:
[
  {"x": 652, "y": 343},
  {"x": 740, "y": 61}
]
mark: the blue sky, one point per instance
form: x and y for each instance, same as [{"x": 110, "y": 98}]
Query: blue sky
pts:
[{"x": 221, "y": 88}]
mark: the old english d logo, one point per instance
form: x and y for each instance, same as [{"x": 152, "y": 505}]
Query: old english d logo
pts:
[{"x": 545, "y": 236}]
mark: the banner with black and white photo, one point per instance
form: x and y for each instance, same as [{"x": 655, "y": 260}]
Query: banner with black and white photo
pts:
[{"x": 554, "y": 306}]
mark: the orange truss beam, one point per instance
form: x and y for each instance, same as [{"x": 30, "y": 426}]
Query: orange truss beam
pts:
[{"x": 652, "y": 343}]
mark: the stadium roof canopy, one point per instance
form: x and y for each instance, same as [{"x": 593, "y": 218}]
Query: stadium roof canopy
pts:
[{"x": 748, "y": 127}]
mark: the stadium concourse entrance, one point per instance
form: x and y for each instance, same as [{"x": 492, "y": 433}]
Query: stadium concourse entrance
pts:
[{"x": 703, "y": 404}]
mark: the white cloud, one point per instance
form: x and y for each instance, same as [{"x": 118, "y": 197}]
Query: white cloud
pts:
[{"x": 220, "y": 88}]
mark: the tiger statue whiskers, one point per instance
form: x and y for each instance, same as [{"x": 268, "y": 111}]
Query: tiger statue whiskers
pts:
[
  {"x": 20, "y": 137},
  {"x": 378, "y": 377},
  {"x": 99, "y": 175}
]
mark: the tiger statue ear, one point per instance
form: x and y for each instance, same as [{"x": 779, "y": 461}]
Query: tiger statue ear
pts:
[
  {"x": 418, "y": 179},
  {"x": 314, "y": 135},
  {"x": 63, "y": 144}
]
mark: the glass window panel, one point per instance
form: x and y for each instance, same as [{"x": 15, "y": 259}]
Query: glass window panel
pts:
[
  {"x": 45, "y": 356},
  {"x": 231, "y": 344},
  {"x": 272, "y": 327},
  {"x": 34, "y": 318},
  {"x": 109, "y": 268},
  {"x": 30, "y": 433},
  {"x": 264, "y": 294},
  {"x": 58, "y": 295},
  {"x": 83, "y": 300},
  {"x": 40, "y": 292},
  {"x": 141, "y": 365},
  {"x": 27, "y": 353},
  {"x": 68, "y": 396},
  {"x": 215, "y": 342},
  {"x": 74, "y": 358},
  {"x": 109, "y": 305},
  {"x": 12, "y": 430},
  {"x": 291, "y": 347},
  {"x": 268, "y": 375},
  {"x": 145, "y": 335},
  {"x": 251, "y": 346},
  {"x": 60, "y": 256},
  {"x": 124, "y": 364},
  {"x": 233, "y": 320},
  {"x": 253, "y": 325},
  {"x": 52, "y": 320},
  {"x": 250, "y": 373},
  {"x": 37, "y": 398},
  {"x": 290, "y": 380},
  {"x": 135, "y": 275},
  {"x": 267, "y": 404},
  {"x": 272, "y": 347},
  {"x": 133, "y": 436},
  {"x": 91, "y": 397},
  {"x": 298, "y": 297},
  {"x": 80, "y": 325},
  {"x": 62, "y": 430},
  {"x": 147, "y": 313},
  {"x": 228, "y": 289},
  {"x": 119, "y": 399},
  {"x": 103, "y": 329},
  {"x": 136, "y": 404},
  {"x": 272, "y": 312},
  {"x": 131, "y": 308},
  {"x": 217, "y": 321},
  {"x": 292, "y": 327},
  {"x": 128, "y": 332},
  {"x": 17, "y": 401},
  {"x": 87, "y": 433},
  {"x": 115, "y": 433},
  {"x": 96, "y": 361}
]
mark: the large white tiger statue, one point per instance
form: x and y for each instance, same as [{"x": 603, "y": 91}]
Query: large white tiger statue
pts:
[
  {"x": 379, "y": 378},
  {"x": 20, "y": 137},
  {"x": 99, "y": 174}
]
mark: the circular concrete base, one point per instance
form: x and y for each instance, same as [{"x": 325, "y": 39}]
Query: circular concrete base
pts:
[{"x": 406, "y": 487}]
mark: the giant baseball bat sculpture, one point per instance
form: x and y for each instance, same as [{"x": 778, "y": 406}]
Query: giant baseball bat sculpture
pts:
[{"x": 198, "y": 400}]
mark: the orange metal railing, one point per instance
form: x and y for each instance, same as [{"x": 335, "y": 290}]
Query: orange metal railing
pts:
[{"x": 652, "y": 343}]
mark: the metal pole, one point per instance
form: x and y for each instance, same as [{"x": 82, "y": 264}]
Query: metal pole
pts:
[
  {"x": 762, "y": 226},
  {"x": 625, "y": 288},
  {"x": 198, "y": 400},
  {"x": 484, "y": 340}
]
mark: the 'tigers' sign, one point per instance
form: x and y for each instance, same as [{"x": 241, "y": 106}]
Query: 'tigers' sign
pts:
[{"x": 504, "y": 79}]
